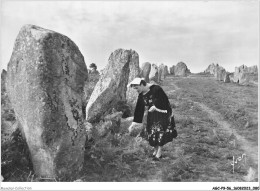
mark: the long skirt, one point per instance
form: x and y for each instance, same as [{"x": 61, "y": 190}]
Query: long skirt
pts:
[{"x": 157, "y": 124}]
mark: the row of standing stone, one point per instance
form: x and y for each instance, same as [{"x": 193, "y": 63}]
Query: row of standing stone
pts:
[
  {"x": 46, "y": 78},
  {"x": 45, "y": 82},
  {"x": 241, "y": 75}
]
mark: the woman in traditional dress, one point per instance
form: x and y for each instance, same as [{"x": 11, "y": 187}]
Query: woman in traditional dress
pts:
[{"x": 153, "y": 98}]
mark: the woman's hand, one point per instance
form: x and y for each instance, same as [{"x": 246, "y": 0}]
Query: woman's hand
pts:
[{"x": 153, "y": 108}]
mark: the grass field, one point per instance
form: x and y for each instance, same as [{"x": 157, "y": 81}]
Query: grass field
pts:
[{"x": 216, "y": 121}]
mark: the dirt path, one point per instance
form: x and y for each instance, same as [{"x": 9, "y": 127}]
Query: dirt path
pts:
[{"x": 249, "y": 149}]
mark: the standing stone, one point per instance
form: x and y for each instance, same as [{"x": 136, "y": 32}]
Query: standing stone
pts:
[
  {"x": 111, "y": 87},
  {"x": 131, "y": 94},
  {"x": 181, "y": 69},
  {"x": 172, "y": 69},
  {"x": 253, "y": 69},
  {"x": 165, "y": 71},
  {"x": 231, "y": 77},
  {"x": 145, "y": 71},
  {"x": 237, "y": 75},
  {"x": 215, "y": 72},
  {"x": 210, "y": 69},
  {"x": 45, "y": 80},
  {"x": 220, "y": 74},
  {"x": 243, "y": 68},
  {"x": 161, "y": 72},
  {"x": 244, "y": 75},
  {"x": 244, "y": 78},
  {"x": 215, "y": 69},
  {"x": 153, "y": 76},
  {"x": 226, "y": 77},
  {"x": 241, "y": 74}
]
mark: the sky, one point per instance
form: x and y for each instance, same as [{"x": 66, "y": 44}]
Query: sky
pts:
[{"x": 197, "y": 33}]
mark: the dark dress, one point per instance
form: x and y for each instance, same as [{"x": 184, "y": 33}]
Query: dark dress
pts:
[{"x": 157, "y": 122}]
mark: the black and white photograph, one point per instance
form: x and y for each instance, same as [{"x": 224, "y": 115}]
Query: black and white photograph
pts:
[{"x": 129, "y": 95}]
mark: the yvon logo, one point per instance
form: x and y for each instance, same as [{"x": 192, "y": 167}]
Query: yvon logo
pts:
[{"x": 234, "y": 162}]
